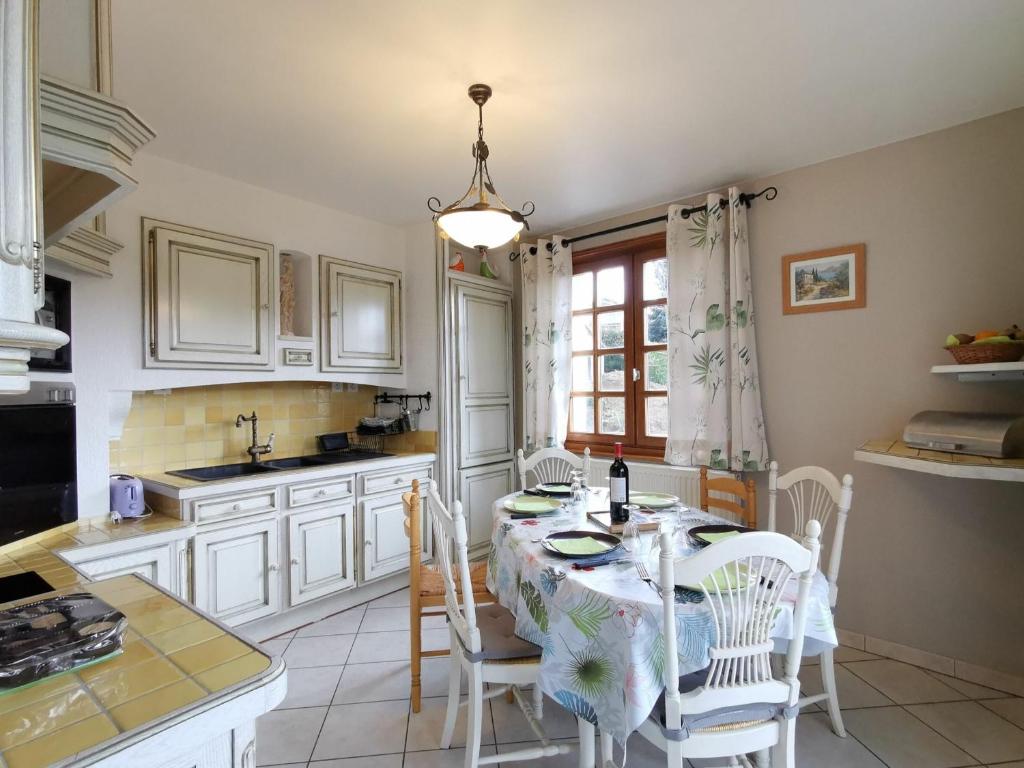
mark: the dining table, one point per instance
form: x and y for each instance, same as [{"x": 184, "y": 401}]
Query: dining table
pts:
[{"x": 599, "y": 627}]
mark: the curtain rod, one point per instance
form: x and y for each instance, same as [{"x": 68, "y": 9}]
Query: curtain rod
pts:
[{"x": 769, "y": 193}]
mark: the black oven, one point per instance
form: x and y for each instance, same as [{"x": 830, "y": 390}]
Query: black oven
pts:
[{"x": 37, "y": 468}]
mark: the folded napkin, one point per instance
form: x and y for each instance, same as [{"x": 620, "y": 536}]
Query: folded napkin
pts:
[
  {"x": 723, "y": 578},
  {"x": 527, "y": 504},
  {"x": 596, "y": 561},
  {"x": 587, "y": 545},
  {"x": 714, "y": 538}
]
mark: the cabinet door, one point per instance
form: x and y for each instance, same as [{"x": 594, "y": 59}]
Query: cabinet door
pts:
[
  {"x": 156, "y": 564},
  {"x": 485, "y": 375},
  {"x": 237, "y": 573},
  {"x": 321, "y": 552},
  {"x": 360, "y": 317},
  {"x": 478, "y": 489},
  {"x": 209, "y": 299},
  {"x": 385, "y": 543}
]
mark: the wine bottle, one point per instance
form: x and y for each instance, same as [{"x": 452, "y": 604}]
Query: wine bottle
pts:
[{"x": 618, "y": 480}]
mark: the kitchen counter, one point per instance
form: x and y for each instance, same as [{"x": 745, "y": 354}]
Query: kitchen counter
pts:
[
  {"x": 183, "y": 488},
  {"x": 40, "y": 552},
  {"x": 184, "y": 685}
]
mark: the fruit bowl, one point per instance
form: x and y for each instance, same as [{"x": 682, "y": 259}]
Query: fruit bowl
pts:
[{"x": 974, "y": 354}]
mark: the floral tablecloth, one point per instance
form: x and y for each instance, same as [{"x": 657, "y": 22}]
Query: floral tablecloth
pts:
[{"x": 601, "y": 629}]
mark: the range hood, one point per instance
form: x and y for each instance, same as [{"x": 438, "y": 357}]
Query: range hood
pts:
[{"x": 87, "y": 142}]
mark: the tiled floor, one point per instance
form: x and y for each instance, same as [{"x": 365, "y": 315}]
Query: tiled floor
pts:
[{"x": 348, "y": 707}]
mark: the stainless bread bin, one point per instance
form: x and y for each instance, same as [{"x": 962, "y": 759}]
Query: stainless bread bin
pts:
[{"x": 999, "y": 435}]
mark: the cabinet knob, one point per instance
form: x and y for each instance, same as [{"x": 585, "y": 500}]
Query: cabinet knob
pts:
[
  {"x": 272, "y": 567},
  {"x": 265, "y": 306},
  {"x": 367, "y": 543},
  {"x": 322, "y": 492},
  {"x": 399, "y": 480},
  {"x": 295, "y": 561},
  {"x": 236, "y": 507}
]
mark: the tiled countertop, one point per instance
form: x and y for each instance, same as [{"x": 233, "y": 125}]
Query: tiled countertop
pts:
[
  {"x": 38, "y": 552},
  {"x": 174, "y": 660}
]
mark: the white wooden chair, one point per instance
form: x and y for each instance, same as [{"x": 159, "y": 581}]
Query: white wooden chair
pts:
[
  {"x": 484, "y": 644},
  {"x": 734, "y": 707},
  {"x": 552, "y": 465},
  {"x": 815, "y": 494}
]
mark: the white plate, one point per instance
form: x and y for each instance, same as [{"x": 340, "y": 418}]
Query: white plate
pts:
[
  {"x": 536, "y": 505},
  {"x": 653, "y": 500}
]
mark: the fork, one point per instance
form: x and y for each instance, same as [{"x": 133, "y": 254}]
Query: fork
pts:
[{"x": 645, "y": 576}]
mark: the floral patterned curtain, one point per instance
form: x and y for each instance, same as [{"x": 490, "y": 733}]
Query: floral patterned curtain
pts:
[
  {"x": 714, "y": 397},
  {"x": 547, "y": 343}
]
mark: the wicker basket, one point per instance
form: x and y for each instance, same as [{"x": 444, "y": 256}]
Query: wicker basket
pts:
[{"x": 973, "y": 354}]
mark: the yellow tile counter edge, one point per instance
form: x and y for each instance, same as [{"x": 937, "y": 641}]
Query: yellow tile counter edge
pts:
[{"x": 176, "y": 664}]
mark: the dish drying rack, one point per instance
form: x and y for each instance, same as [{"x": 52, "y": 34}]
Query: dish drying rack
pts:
[{"x": 372, "y": 430}]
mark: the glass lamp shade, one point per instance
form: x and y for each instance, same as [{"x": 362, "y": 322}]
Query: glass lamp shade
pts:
[{"x": 480, "y": 227}]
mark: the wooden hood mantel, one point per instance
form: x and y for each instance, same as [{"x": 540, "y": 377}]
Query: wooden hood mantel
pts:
[{"x": 87, "y": 143}]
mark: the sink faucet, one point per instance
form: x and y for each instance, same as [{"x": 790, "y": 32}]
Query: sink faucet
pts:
[{"x": 255, "y": 450}]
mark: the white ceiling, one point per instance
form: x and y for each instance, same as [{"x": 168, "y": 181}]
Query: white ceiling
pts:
[{"x": 599, "y": 107}]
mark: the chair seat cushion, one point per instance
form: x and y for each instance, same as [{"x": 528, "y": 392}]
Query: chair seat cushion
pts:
[
  {"x": 498, "y": 638},
  {"x": 432, "y": 582},
  {"x": 720, "y": 719}
]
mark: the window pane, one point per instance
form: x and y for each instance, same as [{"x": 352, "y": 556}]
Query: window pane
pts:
[
  {"x": 656, "y": 409},
  {"x": 656, "y": 370},
  {"x": 583, "y": 290},
  {"x": 613, "y": 415},
  {"x": 656, "y": 279},
  {"x": 582, "y": 332},
  {"x": 583, "y": 373},
  {"x": 656, "y": 324},
  {"x": 582, "y": 414},
  {"x": 610, "y": 287},
  {"x": 613, "y": 375},
  {"x": 610, "y": 330}
]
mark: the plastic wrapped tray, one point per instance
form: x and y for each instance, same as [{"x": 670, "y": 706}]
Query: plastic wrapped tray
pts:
[{"x": 56, "y": 635}]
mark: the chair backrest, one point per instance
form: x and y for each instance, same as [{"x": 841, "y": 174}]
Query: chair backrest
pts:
[
  {"x": 450, "y": 537},
  {"x": 411, "y": 504},
  {"x": 761, "y": 564},
  {"x": 552, "y": 465},
  {"x": 746, "y": 493},
  {"x": 814, "y": 494}
]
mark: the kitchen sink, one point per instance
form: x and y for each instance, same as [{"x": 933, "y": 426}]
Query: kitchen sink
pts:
[
  {"x": 222, "y": 471},
  {"x": 225, "y": 471}
]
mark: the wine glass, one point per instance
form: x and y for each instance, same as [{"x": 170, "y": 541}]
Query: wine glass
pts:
[{"x": 632, "y": 540}]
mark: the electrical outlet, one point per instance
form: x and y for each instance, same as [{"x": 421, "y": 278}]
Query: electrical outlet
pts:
[
  {"x": 337, "y": 386},
  {"x": 351, "y": 387}
]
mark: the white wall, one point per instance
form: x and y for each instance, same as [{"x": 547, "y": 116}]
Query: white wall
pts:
[{"x": 107, "y": 313}]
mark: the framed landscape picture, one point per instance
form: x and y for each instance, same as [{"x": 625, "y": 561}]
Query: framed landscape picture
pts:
[{"x": 818, "y": 281}]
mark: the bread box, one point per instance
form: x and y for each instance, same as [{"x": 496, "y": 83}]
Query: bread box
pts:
[{"x": 999, "y": 435}]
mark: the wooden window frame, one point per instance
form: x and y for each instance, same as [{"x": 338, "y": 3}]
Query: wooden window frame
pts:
[{"x": 631, "y": 255}]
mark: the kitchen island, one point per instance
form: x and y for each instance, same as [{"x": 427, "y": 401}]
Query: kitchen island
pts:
[{"x": 185, "y": 691}]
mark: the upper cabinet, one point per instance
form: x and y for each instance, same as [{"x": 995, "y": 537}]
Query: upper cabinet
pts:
[
  {"x": 209, "y": 299},
  {"x": 21, "y": 248},
  {"x": 360, "y": 317}
]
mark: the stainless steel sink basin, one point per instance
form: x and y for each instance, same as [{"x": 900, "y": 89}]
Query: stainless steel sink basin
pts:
[
  {"x": 226, "y": 471},
  {"x": 222, "y": 471}
]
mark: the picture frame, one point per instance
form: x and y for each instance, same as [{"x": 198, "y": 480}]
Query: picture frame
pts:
[
  {"x": 824, "y": 280},
  {"x": 55, "y": 313}
]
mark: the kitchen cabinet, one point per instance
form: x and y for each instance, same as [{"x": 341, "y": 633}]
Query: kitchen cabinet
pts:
[
  {"x": 165, "y": 565},
  {"x": 321, "y": 552},
  {"x": 237, "y": 574},
  {"x": 382, "y": 521},
  {"x": 478, "y": 488},
  {"x": 21, "y": 229},
  {"x": 360, "y": 317},
  {"x": 209, "y": 299}
]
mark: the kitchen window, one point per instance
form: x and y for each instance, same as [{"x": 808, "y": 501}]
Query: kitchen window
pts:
[{"x": 619, "y": 376}]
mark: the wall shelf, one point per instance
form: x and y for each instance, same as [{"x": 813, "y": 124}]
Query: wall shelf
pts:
[
  {"x": 984, "y": 371},
  {"x": 897, "y": 454}
]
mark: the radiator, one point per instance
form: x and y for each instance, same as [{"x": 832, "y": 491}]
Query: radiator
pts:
[{"x": 683, "y": 482}]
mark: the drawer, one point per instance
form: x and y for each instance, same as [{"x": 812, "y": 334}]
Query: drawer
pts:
[
  {"x": 393, "y": 479},
  {"x": 235, "y": 505},
  {"x": 304, "y": 494}
]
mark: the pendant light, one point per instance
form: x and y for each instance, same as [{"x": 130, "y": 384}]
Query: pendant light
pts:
[{"x": 480, "y": 218}]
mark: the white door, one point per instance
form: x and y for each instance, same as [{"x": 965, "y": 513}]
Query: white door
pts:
[
  {"x": 479, "y": 487},
  {"x": 360, "y": 317},
  {"x": 156, "y": 564},
  {"x": 210, "y": 302},
  {"x": 385, "y": 543},
  {"x": 485, "y": 376},
  {"x": 237, "y": 572},
  {"x": 321, "y": 552}
]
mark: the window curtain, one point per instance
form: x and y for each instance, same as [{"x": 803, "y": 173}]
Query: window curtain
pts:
[
  {"x": 547, "y": 343},
  {"x": 714, "y": 398}
]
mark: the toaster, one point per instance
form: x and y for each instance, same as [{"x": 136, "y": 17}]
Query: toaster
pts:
[{"x": 126, "y": 496}]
